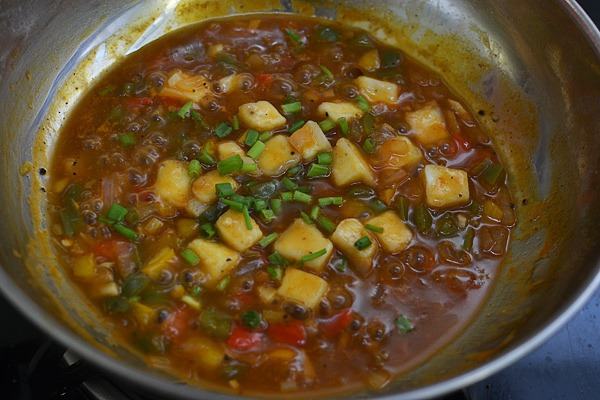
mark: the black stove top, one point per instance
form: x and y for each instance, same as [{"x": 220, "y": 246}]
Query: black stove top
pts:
[{"x": 566, "y": 367}]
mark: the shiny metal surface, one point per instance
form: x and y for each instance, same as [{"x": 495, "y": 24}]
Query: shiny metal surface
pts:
[{"x": 533, "y": 65}]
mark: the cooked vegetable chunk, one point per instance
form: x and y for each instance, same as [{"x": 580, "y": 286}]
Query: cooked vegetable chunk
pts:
[
  {"x": 370, "y": 60},
  {"x": 349, "y": 165},
  {"x": 216, "y": 259},
  {"x": 233, "y": 230},
  {"x": 203, "y": 188},
  {"x": 336, "y": 111},
  {"x": 261, "y": 116},
  {"x": 173, "y": 183},
  {"x": 396, "y": 234},
  {"x": 195, "y": 207},
  {"x": 309, "y": 141},
  {"x": 303, "y": 287},
  {"x": 85, "y": 267},
  {"x": 376, "y": 90},
  {"x": 397, "y": 152},
  {"x": 427, "y": 123},
  {"x": 278, "y": 156},
  {"x": 160, "y": 261},
  {"x": 345, "y": 236},
  {"x": 301, "y": 239},
  {"x": 185, "y": 86},
  {"x": 445, "y": 187},
  {"x": 203, "y": 351}
]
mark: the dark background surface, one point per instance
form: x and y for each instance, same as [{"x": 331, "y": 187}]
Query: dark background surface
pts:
[{"x": 566, "y": 367}]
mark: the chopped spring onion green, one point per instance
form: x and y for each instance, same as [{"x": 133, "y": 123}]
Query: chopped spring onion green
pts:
[
  {"x": 116, "y": 212},
  {"x": 317, "y": 170},
  {"x": 267, "y": 240},
  {"x": 422, "y": 218},
  {"x": 314, "y": 213},
  {"x": 236, "y": 123},
  {"x": 234, "y": 205},
  {"x": 251, "y": 137},
  {"x": 296, "y": 126},
  {"x": 247, "y": 218},
  {"x": 206, "y": 159},
  {"x": 404, "y": 325},
  {"x": 314, "y": 255},
  {"x": 305, "y": 189},
  {"x": 368, "y": 124},
  {"x": 134, "y": 285},
  {"x": 374, "y": 228},
  {"x": 267, "y": 215},
  {"x": 127, "y": 140},
  {"x": 227, "y": 59},
  {"x": 492, "y": 173},
  {"x": 223, "y": 283},
  {"x": 362, "y": 103},
  {"x": 190, "y": 257},
  {"x": 223, "y": 129},
  {"x": 446, "y": 227},
  {"x": 468, "y": 239},
  {"x": 341, "y": 264},
  {"x": 343, "y": 126},
  {"x": 230, "y": 164},
  {"x": 292, "y": 108},
  {"x": 245, "y": 201},
  {"x": 190, "y": 301},
  {"x": 377, "y": 206},
  {"x": 275, "y": 272},
  {"x": 195, "y": 115},
  {"x": 100, "y": 219},
  {"x": 73, "y": 222},
  {"x": 250, "y": 167},
  {"x": 369, "y": 145},
  {"x": 324, "y": 158},
  {"x": 306, "y": 218},
  {"x": 185, "y": 109},
  {"x": 107, "y": 90},
  {"x": 275, "y": 258},
  {"x": 224, "y": 189},
  {"x": 125, "y": 231},
  {"x": 475, "y": 207},
  {"x": 251, "y": 319},
  {"x": 302, "y": 197},
  {"x": 287, "y": 196},
  {"x": 276, "y": 205},
  {"x": 194, "y": 169},
  {"x": 294, "y": 170},
  {"x": 256, "y": 150},
  {"x": 362, "y": 243},
  {"x": 327, "y": 125},
  {"x": 288, "y": 183},
  {"x": 259, "y": 204},
  {"x": 327, "y": 201},
  {"x": 264, "y": 136},
  {"x": 326, "y": 224},
  {"x": 403, "y": 206},
  {"x": 326, "y": 71},
  {"x": 295, "y": 38},
  {"x": 207, "y": 231}
]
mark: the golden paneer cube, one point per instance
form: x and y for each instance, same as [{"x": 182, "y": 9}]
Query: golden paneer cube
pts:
[
  {"x": 184, "y": 86},
  {"x": 233, "y": 231},
  {"x": 336, "y": 111},
  {"x": 160, "y": 261},
  {"x": 345, "y": 236},
  {"x": 396, "y": 234},
  {"x": 445, "y": 187},
  {"x": 349, "y": 165},
  {"x": 230, "y": 149},
  {"x": 278, "y": 156},
  {"x": 261, "y": 116},
  {"x": 303, "y": 287},
  {"x": 173, "y": 183},
  {"x": 370, "y": 61},
  {"x": 202, "y": 352},
  {"x": 204, "y": 189},
  {"x": 216, "y": 259},
  {"x": 377, "y": 91},
  {"x": 301, "y": 239},
  {"x": 309, "y": 141},
  {"x": 427, "y": 123},
  {"x": 397, "y": 152}
]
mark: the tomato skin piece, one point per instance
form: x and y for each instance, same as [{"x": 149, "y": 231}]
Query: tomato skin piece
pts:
[
  {"x": 244, "y": 300},
  {"x": 333, "y": 325},
  {"x": 292, "y": 333},
  {"x": 242, "y": 339},
  {"x": 263, "y": 79},
  {"x": 171, "y": 102},
  {"x": 136, "y": 102},
  {"x": 177, "y": 323},
  {"x": 106, "y": 248}
]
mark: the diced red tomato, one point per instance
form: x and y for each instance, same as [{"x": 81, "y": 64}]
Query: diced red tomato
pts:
[
  {"x": 243, "y": 339},
  {"x": 244, "y": 300},
  {"x": 106, "y": 248},
  {"x": 333, "y": 325},
  {"x": 171, "y": 102},
  {"x": 177, "y": 323},
  {"x": 263, "y": 79},
  {"x": 136, "y": 102},
  {"x": 292, "y": 333}
]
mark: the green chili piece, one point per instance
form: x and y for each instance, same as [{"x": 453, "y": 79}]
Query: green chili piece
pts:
[
  {"x": 468, "y": 239},
  {"x": 127, "y": 140},
  {"x": 118, "y": 304},
  {"x": 227, "y": 59},
  {"x": 481, "y": 167},
  {"x": 446, "y": 227},
  {"x": 328, "y": 34},
  {"x": 492, "y": 173},
  {"x": 296, "y": 126},
  {"x": 404, "y": 325},
  {"x": 134, "y": 285},
  {"x": 403, "y": 207},
  {"x": 422, "y": 218},
  {"x": 215, "y": 323},
  {"x": 368, "y": 124},
  {"x": 390, "y": 58}
]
